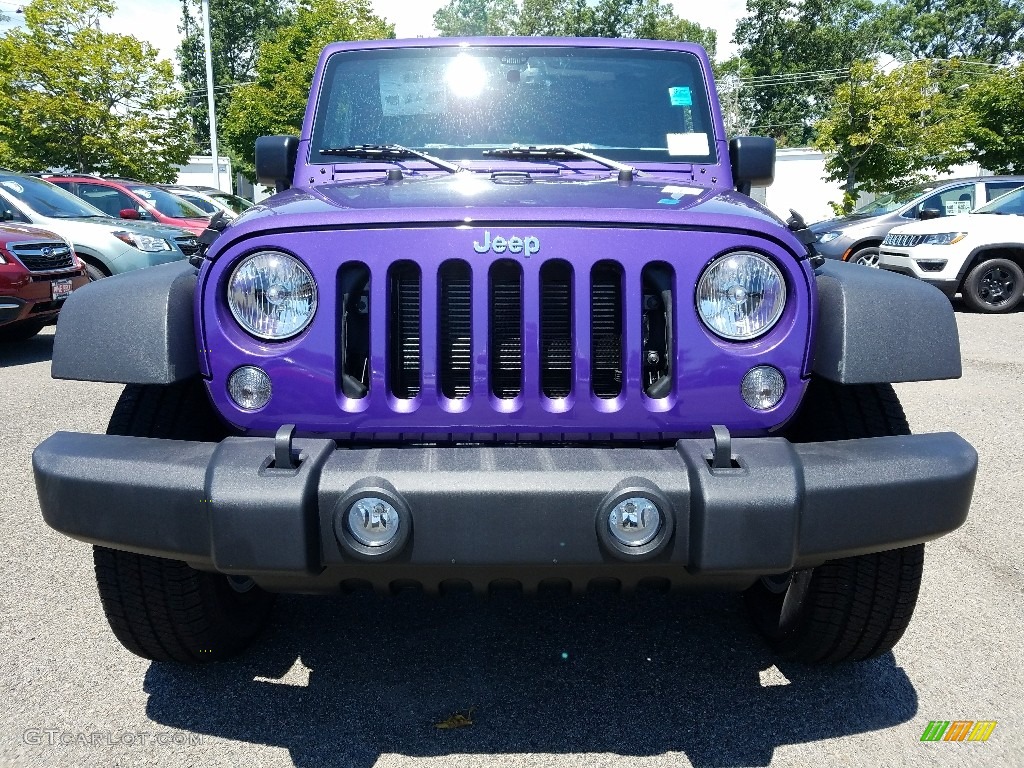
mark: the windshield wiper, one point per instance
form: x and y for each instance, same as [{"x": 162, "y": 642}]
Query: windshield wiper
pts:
[
  {"x": 390, "y": 153},
  {"x": 561, "y": 152}
]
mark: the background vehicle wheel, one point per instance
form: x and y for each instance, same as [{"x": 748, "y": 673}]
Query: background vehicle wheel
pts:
[
  {"x": 20, "y": 332},
  {"x": 94, "y": 273},
  {"x": 994, "y": 285},
  {"x": 161, "y": 609},
  {"x": 867, "y": 257},
  {"x": 854, "y": 608}
]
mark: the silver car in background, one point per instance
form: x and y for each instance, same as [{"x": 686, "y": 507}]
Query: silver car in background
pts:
[{"x": 108, "y": 246}]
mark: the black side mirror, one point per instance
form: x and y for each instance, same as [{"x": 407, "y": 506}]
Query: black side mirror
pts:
[
  {"x": 753, "y": 162},
  {"x": 275, "y": 160},
  {"x": 928, "y": 213},
  {"x": 7, "y": 215}
]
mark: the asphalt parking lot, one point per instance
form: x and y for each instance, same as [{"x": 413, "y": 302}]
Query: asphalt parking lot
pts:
[{"x": 652, "y": 680}]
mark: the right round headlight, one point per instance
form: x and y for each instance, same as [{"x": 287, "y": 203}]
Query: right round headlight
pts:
[
  {"x": 272, "y": 295},
  {"x": 740, "y": 296}
]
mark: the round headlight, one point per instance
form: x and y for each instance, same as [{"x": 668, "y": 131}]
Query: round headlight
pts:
[
  {"x": 740, "y": 296},
  {"x": 272, "y": 295}
]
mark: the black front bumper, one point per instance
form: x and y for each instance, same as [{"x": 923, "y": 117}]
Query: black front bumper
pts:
[{"x": 483, "y": 513}]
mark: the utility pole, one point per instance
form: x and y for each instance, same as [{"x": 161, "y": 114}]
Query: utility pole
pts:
[{"x": 209, "y": 94}]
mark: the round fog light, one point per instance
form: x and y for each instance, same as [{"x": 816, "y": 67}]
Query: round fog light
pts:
[
  {"x": 763, "y": 387},
  {"x": 249, "y": 387},
  {"x": 635, "y": 521},
  {"x": 373, "y": 522}
]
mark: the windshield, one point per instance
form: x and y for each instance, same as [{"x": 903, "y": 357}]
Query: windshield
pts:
[
  {"x": 168, "y": 204},
  {"x": 234, "y": 202},
  {"x": 47, "y": 199},
  {"x": 893, "y": 201},
  {"x": 1012, "y": 203},
  {"x": 456, "y": 102}
]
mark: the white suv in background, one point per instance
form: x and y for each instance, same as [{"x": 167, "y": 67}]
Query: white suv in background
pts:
[{"x": 979, "y": 255}]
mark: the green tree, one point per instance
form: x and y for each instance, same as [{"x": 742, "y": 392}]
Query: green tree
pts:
[
  {"x": 982, "y": 30},
  {"x": 78, "y": 99},
  {"x": 556, "y": 18},
  {"x": 468, "y": 18},
  {"x": 791, "y": 55},
  {"x": 885, "y": 130},
  {"x": 996, "y": 127},
  {"x": 237, "y": 27},
  {"x": 652, "y": 19},
  {"x": 276, "y": 101}
]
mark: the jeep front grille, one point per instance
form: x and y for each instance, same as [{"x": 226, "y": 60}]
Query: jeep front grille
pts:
[
  {"x": 43, "y": 257},
  {"x": 507, "y": 333}
]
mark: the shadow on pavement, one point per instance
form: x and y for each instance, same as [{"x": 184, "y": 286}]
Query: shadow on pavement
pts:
[
  {"x": 38, "y": 349},
  {"x": 644, "y": 675}
]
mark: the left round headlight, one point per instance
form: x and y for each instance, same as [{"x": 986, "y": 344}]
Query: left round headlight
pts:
[
  {"x": 272, "y": 295},
  {"x": 740, "y": 296}
]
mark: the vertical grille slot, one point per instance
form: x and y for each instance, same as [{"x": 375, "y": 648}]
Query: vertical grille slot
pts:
[
  {"x": 404, "y": 323},
  {"x": 606, "y": 329},
  {"x": 505, "y": 353},
  {"x": 454, "y": 330},
  {"x": 354, "y": 293},
  {"x": 556, "y": 347},
  {"x": 657, "y": 346}
]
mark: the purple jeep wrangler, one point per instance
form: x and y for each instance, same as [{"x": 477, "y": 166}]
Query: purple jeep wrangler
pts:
[{"x": 511, "y": 316}]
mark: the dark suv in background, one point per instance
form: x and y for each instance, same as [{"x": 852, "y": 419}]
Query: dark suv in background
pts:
[{"x": 856, "y": 237}]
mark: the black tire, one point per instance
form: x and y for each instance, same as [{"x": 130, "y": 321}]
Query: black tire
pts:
[
  {"x": 20, "y": 332},
  {"x": 993, "y": 286},
  {"x": 165, "y": 610},
  {"x": 867, "y": 257},
  {"x": 855, "y": 608},
  {"x": 94, "y": 273}
]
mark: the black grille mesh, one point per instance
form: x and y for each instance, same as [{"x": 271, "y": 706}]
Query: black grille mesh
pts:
[
  {"x": 606, "y": 330},
  {"x": 404, "y": 330},
  {"x": 506, "y": 329},
  {"x": 556, "y": 348},
  {"x": 454, "y": 330}
]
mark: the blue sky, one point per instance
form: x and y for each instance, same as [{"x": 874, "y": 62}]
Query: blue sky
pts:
[{"x": 157, "y": 20}]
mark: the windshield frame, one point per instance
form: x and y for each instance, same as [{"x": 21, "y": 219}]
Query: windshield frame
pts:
[{"x": 704, "y": 105}]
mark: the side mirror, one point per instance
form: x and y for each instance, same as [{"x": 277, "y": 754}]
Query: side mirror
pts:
[
  {"x": 7, "y": 215},
  {"x": 928, "y": 213},
  {"x": 130, "y": 213},
  {"x": 753, "y": 162},
  {"x": 275, "y": 160}
]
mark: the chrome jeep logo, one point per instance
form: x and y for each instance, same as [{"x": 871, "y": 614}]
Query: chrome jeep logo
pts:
[{"x": 524, "y": 245}]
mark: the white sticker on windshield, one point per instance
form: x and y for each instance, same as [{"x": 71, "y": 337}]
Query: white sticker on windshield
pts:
[
  {"x": 14, "y": 186},
  {"x": 678, "y": 192},
  {"x": 954, "y": 207},
  {"x": 411, "y": 88},
  {"x": 688, "y": 144}
]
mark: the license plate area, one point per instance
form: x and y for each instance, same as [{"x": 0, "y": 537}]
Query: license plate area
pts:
[{"x": 60, "y": 289}]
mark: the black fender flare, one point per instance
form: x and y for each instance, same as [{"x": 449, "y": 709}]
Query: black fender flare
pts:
[
  {"x": 135, "y": 328},
  {"x": 879, "y": 327}
]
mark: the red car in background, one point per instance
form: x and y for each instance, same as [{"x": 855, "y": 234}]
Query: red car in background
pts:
[
  {"x": 127, "y": 199},
  {"x": 38, "y": 271}
]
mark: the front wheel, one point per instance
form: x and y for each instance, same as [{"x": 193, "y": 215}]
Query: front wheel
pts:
[
  {"x": 165, "y": 610},
  {"x": 867, "y": 257},
  {"x": 993, "y": 286},
  {"x": 854, "y": 608}
]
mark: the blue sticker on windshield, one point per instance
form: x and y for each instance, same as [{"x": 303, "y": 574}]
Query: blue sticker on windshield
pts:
[{"x": 680, "y": 97}]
